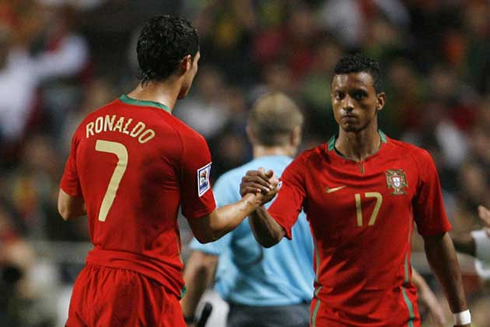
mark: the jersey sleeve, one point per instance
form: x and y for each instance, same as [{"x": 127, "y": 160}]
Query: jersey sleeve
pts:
[
  {"x": 196, "y": 195},
  {"x": 429, "y": 212},
  {"x": 70, "y": 183},
  {"x": 289, "y": 201}
]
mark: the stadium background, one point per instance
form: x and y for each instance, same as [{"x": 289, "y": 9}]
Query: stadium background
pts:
[{"x": 61, "y": 59}]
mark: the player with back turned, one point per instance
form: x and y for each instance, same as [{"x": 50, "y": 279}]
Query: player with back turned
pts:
[
  {"x": 131, "y": 166},
  {"x": 362, "y": 192}
]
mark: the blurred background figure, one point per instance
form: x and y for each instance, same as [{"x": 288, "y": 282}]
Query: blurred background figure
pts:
[{"x": 60, "y": 59}]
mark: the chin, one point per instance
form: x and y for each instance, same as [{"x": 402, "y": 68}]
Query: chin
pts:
[{"x": 349, "y": 128}]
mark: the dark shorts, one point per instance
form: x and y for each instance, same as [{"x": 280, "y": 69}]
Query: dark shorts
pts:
[
  {"x": 273, "y": 316},
  {"x": 109, "y": 297}
]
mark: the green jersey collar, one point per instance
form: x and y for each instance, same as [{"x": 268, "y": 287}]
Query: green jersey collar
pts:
[
  {"x": 331, "y": 142},
  {"x": 124, "y": 98}
]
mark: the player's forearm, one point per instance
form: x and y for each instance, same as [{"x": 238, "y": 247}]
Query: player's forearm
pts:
[
  {"x": 227, "y": 218},
  {"x": 70, "y": 207},
  {"x": 198, "y": 274},
  {"x": 443, "y": 261},
  {"x": 265, "y": 229}
]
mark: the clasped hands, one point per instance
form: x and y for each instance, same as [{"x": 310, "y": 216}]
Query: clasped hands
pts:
[{"x": 264, "y": 184}]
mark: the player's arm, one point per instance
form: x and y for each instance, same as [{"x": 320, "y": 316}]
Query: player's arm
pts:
[
  {"x": 433, "y": 225},
  {"x": 223, "y": 220},
  {"x": 465, "y": 242},
  {"x": 198, "y": 275},
  {"x": 429, "y": 299},
  {"x": 442, "y": 258},
  {"x": 264, "y": 227},
  {"x": 70, "y": 207}
]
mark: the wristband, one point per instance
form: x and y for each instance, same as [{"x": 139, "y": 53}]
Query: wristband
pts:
[{"x": 462, "y": 318}]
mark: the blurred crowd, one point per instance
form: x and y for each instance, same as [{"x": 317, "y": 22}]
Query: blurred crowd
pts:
[{"x": 61, "y": 59}]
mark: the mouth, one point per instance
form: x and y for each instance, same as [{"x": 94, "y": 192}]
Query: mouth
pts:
[{"x": 348, "y": 117}]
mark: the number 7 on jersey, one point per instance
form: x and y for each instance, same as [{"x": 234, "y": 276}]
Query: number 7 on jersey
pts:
[{"x": 122, "y": 155}]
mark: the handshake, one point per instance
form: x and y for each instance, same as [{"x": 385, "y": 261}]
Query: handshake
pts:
[{"x": 263, "y": 184}]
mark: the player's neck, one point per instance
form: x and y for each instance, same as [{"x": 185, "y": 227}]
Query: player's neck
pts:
[
  {"x": 164, "y": 93},
  {"x": 358, "y": 145},
  {"x": 265, "y": 151}
]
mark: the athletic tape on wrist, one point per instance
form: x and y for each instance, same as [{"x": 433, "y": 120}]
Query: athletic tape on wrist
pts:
[{"x": 462, "y": 318}]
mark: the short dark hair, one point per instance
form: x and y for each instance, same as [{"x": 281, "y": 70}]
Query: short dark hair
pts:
[
  {"x": 162, "y": 44},
  {"x": 272, "y": 119},
  {"x": 357, "y": 63}
]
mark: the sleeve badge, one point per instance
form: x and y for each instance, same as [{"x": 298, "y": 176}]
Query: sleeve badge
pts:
[{"x": 203, "y": 180}]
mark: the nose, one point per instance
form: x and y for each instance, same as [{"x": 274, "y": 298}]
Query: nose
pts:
[{"x": 348, "y": 103}]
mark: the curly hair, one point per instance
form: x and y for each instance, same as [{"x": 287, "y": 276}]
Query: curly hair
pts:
[
  {"x": 357, "y": 63},
  {"x": 162, "y": 44}
]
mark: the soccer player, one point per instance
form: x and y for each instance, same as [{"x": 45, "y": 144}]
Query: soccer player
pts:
[
  {"x": 132, "y": 164},
  {"x": 263, "y": 287},
  {"x": 362, "y": 192}
]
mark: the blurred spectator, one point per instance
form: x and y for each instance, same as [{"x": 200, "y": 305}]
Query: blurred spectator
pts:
[
  {"x": 62, "y": 64},
  {"x": 226, "y": 28},
  {"x": 205, "y": 110},
  {"x": 403, "y": 110},
  {"x": 315, "y": 88},
  {"x": 349, "y": 20},
  {"x": 17, "y": 92},
  {"x": 20, "y": 295}
]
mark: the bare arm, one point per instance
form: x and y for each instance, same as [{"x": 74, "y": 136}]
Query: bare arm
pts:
[
  {"x": 266, "y": 230},
  {"x": 429, "y": 299},
  {"x": 70, "y": 207},
  {"x": 443, "y": 261},
  {"x": 198, "y": 275},
  {"x": 223, "y": 220}
]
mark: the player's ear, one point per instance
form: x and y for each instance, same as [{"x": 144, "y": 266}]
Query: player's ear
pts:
[
  {"x": 186, "y": 64},
  {"x": 295, "y": 136},
  {"x": 380, "y": 100},
  {"x": 250, "y": 134}
]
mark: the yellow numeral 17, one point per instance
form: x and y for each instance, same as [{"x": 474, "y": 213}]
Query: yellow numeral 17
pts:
[{"x": 377, "y": 206}]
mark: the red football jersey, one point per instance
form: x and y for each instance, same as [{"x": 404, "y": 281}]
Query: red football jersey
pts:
[
  {"x": 135, "y": 164},
  {"x": 362, "y": 217}
]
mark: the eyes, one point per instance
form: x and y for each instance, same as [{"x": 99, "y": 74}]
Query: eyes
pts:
[{"x": 357, "y": 95}]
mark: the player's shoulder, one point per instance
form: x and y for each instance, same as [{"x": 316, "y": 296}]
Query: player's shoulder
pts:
[
  {"x": 411, "y": 150},
  {"x": 312, "y": 154},
  {"x": 187, "y": 133},
  {"x": 105, "y": 109}
]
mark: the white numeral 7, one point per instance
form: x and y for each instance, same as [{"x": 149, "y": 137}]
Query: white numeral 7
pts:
[{"x": 122, "y": 155}]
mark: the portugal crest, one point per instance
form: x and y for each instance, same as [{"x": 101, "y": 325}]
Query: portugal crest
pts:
[{"x": 397, "y": 180}]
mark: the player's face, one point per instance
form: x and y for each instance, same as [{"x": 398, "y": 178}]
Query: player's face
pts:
[
  {"x": 189, "y": 77},
  {"x": 355, "y": 102}
]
